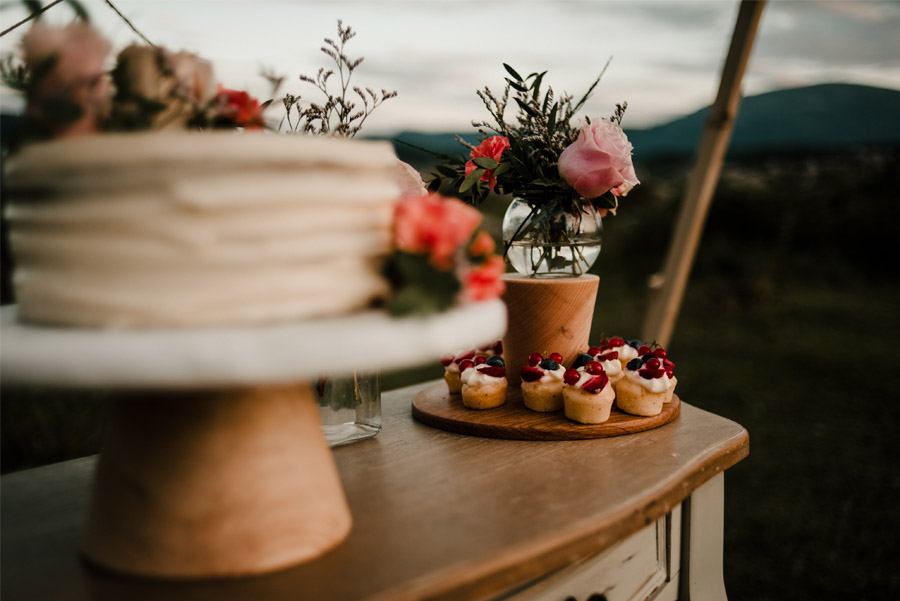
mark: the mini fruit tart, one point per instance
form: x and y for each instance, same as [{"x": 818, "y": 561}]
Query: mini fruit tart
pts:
[
  {"x": 587, "y": 394},
  {"x": 648, "y": 383},
  {"x": 542, "y": 382},
  {"x": 451, "y": 370},
  {"x": 483, "y": 383},
  {"x": 627, "y": 349}
]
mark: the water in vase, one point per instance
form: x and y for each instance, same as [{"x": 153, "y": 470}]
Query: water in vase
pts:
[{"x": 350, "y": 407}]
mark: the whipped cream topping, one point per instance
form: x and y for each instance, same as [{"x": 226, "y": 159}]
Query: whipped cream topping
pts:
[
  {"x": 612, "y": 366},
  {"x": 626, "y": 353},
  {"x": 555, "y": 375},
  {"x": 475, "y": 377},
  {"x": 660, "y": 384}
]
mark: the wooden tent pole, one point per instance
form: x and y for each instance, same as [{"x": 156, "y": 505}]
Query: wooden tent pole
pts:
[{"x": 667, "y": 289}]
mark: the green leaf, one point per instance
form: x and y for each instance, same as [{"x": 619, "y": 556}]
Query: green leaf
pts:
[
  {"x": 536, "y": 85},
  {"x": 501, "y": 169},
  {"x": 471, "y": 180},
  {"x": 528, "y": 109},
  {"x": 512, "y": 72},
  {"x": 486, "y": 162},
  {"x": 516, "y": 86},
  {"x": 79, "y": 10},
  {"x": 551, "y": 121}
]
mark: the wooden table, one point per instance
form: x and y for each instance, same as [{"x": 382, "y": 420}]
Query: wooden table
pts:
[{"x": 439, "y": 515}]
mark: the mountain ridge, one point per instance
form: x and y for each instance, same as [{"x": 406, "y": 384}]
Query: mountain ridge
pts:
[{"x": 821, "y": 117}]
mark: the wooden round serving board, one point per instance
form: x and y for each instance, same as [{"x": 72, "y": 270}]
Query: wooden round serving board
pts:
[{"x": 436, "y": 407}]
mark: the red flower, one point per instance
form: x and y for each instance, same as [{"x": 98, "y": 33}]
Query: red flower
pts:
[
  {"x": 483, "y": 245},
  {"x": 240, "y": 107},
  {"x": 434, "y": 225},
  {"x": 492, "y": 148},
  {"x": 484, "y": 282}
]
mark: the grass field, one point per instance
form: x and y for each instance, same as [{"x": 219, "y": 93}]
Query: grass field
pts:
[{"x": 788, "y": 333}]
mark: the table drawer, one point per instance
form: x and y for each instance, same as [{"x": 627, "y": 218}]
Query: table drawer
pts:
[{"x": 639, "y": 567}]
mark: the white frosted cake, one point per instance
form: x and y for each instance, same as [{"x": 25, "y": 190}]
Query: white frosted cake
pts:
[{"x": 195, "y": 229}]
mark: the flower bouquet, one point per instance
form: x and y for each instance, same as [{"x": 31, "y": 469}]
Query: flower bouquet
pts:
[{"x": 562, "y": 177}]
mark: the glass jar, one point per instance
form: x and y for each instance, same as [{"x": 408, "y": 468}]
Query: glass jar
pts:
[
  {"x": 551, "y": 244},
  {"x": 350, "y": 407}
]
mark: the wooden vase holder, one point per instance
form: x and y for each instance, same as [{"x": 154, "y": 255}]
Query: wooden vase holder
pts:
[
  {"x": 547, "y": 315},
  {"x": 214, "y": 483}
]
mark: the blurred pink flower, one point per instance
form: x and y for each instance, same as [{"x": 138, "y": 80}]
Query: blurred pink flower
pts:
[
  {"x": 483, "y": 245},
  {"x": 492, "y": 148},
  {"x": 485, "y": 281},
  {"x": 599, "y": 161},
  {"x": 240, "y": 108},
  {"x": 410, "y": 180},
  {"x": 70, "y": 92},
  {"x": 434, "y": 225}
]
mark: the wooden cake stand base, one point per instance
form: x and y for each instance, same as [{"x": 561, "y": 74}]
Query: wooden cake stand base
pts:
[
  {"x": 214, "y": 483},
  {"x": 436, "y": 407}
]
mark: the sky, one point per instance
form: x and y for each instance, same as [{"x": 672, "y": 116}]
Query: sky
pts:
[{"x": 666, "y": 54}]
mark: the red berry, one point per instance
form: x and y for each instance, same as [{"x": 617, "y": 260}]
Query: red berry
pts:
[
  {"x": 660, "y": 352},
  {"x": 468, "y": 355},
  {"x": 652, "y": 364},
  {"x": 531, "y": 374},
  {"x": 465, "y": 364},
  {"x": 556, "y": 357},
  {"x": 498, "y": 348},
  {"x": 669, "y": 373},
  {"x": 480, "y": 359},
  {"x": 597, "y": 383},
  {"x": 668, "y": 364},
  {"x": 594, "y": 350},
  {"x": 534, "y": 359},
  {"x": 595, "y": 368},
  {"x": 493, "y": 370},
  {"x": 616, "y": 341},
  {"x": 609, "y": 356},
  {"x": 650, "y": 374},
  {"x": 571, "y": 376},
  {"x": 643, "y": 350},
  {"x": 604, "y": 342},
  {"x": 445, "y": 361}
]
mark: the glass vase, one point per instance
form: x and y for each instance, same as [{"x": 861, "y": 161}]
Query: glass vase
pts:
[
  {"x": 548, "y": 244},
  {"x": 350, "y": 407}
]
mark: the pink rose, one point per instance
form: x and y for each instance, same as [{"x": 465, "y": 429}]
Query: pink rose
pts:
[
  {"x": 434, "y": 225},
  {"x": 492, "y": 148},
  {"x": 410, "y": 180},
  {"x": 68, "y": 66},
  {"x": 599, "y": 161},
  {"x": 485, "y": 282}
]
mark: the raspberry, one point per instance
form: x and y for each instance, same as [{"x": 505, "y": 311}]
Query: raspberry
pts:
[
  {"x": 616, "y": 341},
  {"x": 644, "y": 350},
  {"x": 660, "y": 352},
  {"x": 609, "y": 356},
  {"x": 596, "y": 384},
  {"x": 556, "y": 357},
  {"x": 668, "y": 364},
  {"x": 493, "y": 371},
  {"x": 531, "y": 374},
  {"x": 445, "y": 361},
  {"x": 652, "y": 364},
  {"x": 480, "y": 359},
  {"x": 570, "y": 377},
  {"x": 595, "y": 368},
  {"x": 465, "y": 364},
  {"x": 594, "y": 350},
  {"x": 534, "y": 359}
]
